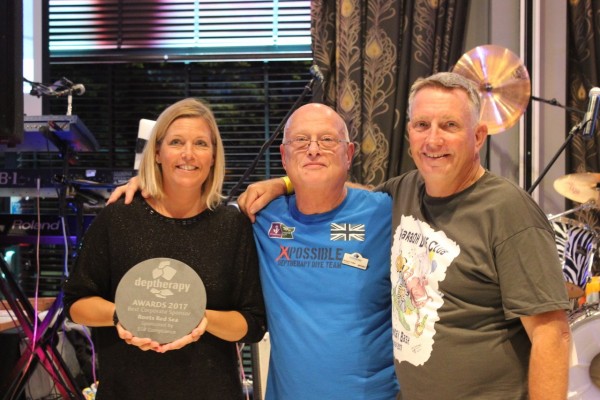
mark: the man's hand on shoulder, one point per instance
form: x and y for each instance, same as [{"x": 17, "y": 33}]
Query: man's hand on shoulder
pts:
[
  {"x": 128, "y": 189},
  {"x": 259, "y": 194}
]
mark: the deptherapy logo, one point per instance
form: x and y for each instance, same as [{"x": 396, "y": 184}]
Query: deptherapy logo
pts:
[{"x": 161, "y": 288}]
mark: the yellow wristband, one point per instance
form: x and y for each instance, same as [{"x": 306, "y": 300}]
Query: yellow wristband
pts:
[{"x": 289, "y": 188}]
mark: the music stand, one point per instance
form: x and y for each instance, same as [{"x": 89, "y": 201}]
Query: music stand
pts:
[{"x": 40, "y": 348}]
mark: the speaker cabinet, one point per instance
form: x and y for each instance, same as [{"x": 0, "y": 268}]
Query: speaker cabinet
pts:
[{"x": 11, "y": 72}]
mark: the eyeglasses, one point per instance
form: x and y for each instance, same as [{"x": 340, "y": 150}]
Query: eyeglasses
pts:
[{"x": 325, "y": 143}]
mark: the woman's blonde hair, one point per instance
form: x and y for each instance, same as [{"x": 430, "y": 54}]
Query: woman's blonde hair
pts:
[{"x": 150, "y": 171}]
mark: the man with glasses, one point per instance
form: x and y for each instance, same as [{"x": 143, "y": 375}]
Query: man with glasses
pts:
[
  {"x": 324, "y": 255},
  {"x": 324, "y": 262}
]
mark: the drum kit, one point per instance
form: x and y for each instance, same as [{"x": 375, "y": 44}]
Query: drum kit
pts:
[
  {"x": 504, "y": 88},
  {"x": 577, "y": 245}
]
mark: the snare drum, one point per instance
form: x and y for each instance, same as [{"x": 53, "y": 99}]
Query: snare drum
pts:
[
  {"x": 576, "y": 245},
  {"x": 585, "y": 346}
]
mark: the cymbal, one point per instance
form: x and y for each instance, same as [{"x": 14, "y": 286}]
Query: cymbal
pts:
[
  {"x": 503, "y": 81},
  {"x": 581, "y": 187}
]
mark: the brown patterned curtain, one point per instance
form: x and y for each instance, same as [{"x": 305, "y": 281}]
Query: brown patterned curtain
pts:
[
  {"x": 370, "y": 52},
  {"x": 583, "y": 67}
]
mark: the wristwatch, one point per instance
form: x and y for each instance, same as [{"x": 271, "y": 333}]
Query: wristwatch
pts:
[{"x": 115, "y": 318}]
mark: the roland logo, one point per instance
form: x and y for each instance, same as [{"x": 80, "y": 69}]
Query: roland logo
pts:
[{"x": 26, "y": 225}]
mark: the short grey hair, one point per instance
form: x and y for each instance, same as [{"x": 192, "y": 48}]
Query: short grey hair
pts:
[{"x": 448, "y": 81}]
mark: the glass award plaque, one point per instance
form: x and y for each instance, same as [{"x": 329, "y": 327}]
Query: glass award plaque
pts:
[{"x": 160, "y": 298}]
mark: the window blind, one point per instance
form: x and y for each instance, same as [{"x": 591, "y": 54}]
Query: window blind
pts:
[{"x": 177, "y": 30}]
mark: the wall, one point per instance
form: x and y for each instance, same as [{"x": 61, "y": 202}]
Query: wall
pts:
[
  {"x": 500, "y": 22},
  {"x": 32, "y": 53}
]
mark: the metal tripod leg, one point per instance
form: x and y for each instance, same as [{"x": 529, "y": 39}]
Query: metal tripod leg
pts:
[{"x": 40, "y": 347}]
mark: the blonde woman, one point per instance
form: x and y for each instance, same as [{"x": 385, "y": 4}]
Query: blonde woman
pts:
[{"x": 182, "y": 171}]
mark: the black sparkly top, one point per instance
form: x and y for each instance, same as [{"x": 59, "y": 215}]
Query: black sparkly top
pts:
[{"x": 218, "y": 244}]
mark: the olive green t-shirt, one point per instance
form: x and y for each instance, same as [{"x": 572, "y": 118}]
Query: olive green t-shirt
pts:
[{"x": 464, "y": 269}]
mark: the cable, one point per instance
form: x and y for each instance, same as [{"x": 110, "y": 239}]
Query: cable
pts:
[
  {"x": 37, "y": 280},
  {"x": 66, "y": 244},
  {"x": 239, "y": 347}
]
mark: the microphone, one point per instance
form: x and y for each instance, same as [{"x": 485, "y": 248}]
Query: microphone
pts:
[
  {"x": 78, "y": 89},
  {"x": 592, "y": 114},
  {"x": 317, "y": 74}
]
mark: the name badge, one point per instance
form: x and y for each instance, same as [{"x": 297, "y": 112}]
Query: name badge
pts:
[{"x": 355, "y": 260}]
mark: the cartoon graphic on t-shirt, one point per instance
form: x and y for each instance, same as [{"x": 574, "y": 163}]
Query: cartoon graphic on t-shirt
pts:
[
  {"x": 420, "y": 258},
  {"x": 410, "y": 293}
]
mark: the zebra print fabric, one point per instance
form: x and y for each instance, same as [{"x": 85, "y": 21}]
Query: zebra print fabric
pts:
[{"x": 576, "y": 244}]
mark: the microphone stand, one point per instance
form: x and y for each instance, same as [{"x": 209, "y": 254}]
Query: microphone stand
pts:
[
  {"x": 577, "y": 128},
  {"x": 269, "y": 141},
  {"x": 572, "y": 132}
]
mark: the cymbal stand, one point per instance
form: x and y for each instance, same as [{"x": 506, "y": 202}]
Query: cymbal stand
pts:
[
  {"x": 554, "y": 102},
  {"x": 587, "y": 205}
]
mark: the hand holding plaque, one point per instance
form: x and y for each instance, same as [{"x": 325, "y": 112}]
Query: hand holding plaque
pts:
[{"x": 160, "y": 298}]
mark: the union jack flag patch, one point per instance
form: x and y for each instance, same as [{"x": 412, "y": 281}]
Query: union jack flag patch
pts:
[{"x": 348, "y": 232}]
